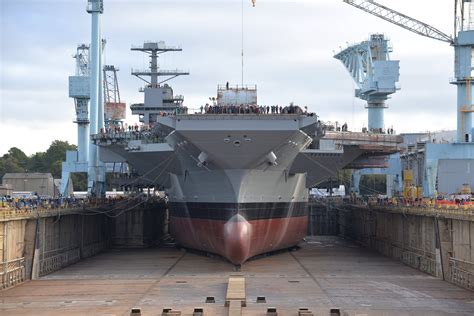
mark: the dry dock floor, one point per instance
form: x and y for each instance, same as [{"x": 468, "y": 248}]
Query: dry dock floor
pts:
[{"x": 326, "y": 272}]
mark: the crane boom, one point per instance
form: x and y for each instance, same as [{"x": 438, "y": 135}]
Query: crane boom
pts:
[{"x": 400, "y": 19}]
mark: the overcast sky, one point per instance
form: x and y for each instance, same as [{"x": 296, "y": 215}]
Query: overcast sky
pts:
[{"x": 289, "y": 46}]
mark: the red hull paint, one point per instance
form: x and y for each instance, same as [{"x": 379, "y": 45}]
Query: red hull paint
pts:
[{"x": 239, "y": 240}]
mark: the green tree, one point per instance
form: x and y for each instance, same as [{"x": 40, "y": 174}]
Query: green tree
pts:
[
  {"x": 57, "y": 152},
  {"x": 36, "y": 163},
  {"x": 9, "y": 165},
  {"x": 56, "y": 169},
  {"x": 345, "y": 178},
  {"x": 19, "y": 156},
  {"x": 55, "y": 155},
  {"x": 373, "y": 184},
  {"x": 79, "y": 181},
  {"x": 15, "y": 160}
]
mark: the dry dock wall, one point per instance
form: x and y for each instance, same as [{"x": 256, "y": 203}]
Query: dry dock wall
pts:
[
  {"x": 62, "y": 241},
  {"x": 142, "y": 227},
  {"x": 322, "y": 219},
  {"x": 438, "y": 243},
  {"x": 36, "y": 244},
  {"x": 33, "y": 247}
]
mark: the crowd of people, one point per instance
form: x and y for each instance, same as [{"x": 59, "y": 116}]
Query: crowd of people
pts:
[
  {"x": 410, "y": 201},
  {"x": 136, "y": 132},
  {"x": 181, "y": 110},
  {"x": 38, "y": 203},
  {"x": 141, "y": 131},
  {"x": 252, "y": 109},
  {"x": 389, "y": 131},
  {"x": 125, "y": 128}
]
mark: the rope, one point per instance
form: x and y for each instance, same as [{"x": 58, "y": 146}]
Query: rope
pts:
[{"x": 168, "y": 160}]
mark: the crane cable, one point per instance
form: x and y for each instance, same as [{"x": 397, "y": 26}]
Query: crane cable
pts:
[
  {"x": 254, "y": 2},
  {"x": 242, "y": 33}
]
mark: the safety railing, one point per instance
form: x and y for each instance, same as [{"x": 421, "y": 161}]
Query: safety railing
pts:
[
  {"x": 118, "y": 137},
  {"x": 423, "y": 207},
  {"x": 161, "y": 72},
  {"x": 223, "y": 87},
  {"x": 12, "y": 272},
  {"x": 29, "y": 212},
  {"x": 59, "y": 259},
  {"x": 152, "y": 44},
  {"x": 462, "y": 272},
  {"x": 359, "y": 137}
]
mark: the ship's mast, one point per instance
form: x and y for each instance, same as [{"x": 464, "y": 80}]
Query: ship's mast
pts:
[
  {"x": 159, "y": 96},
  {"x": 154, "y": 49}
]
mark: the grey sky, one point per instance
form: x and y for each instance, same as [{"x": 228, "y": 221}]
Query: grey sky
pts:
[{"x": 288, "y": 48}]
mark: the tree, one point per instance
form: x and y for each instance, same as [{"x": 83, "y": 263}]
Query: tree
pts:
[
  {"x": 9, "y": 165},
  {"x": 15, "y": 160},
  {"x": 80, "y": 181},
  {"x": 373, "y": 184},
  {"x": 55, "y": 155},
  {"x": 19, "y": 156},
  {"x": 36, "y": 163},
  {"x": 57, "y": 152},
  {"x": 345, "y": 178},
  {"x": 56, "y": 169}
]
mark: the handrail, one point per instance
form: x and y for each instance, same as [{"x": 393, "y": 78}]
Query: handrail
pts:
[
  {"x": 12, "y": 261},
  {"x": 456, "y": 260}
]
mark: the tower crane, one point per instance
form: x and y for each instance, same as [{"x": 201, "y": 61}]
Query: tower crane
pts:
[
  {"x": 463, "y": 43},
  {"x": 79, "y": 90},
  {"x": 375, "y": 75},
  {"x": 95, "y": 184},
  {"x": 114, "y": 108}
]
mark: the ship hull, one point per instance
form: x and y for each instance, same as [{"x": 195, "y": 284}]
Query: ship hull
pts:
[
  {"x": 238, "y": 183},
  {"x": 228, "y": 180},
  {"x": 238, "y": 231}
]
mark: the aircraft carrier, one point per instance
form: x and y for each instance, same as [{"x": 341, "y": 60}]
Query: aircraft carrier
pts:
[{"x": 236, "y": 173}]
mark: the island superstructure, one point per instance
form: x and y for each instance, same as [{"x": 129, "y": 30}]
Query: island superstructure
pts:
[{"x": 236, "y": 174}]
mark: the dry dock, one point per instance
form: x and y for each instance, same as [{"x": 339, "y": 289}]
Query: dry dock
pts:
[
  {"x": 327, "y": 272},
  {"x": 79, "y": 261}
]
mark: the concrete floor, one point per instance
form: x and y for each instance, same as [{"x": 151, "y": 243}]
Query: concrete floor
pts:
[{"x": 324, "y": 273}]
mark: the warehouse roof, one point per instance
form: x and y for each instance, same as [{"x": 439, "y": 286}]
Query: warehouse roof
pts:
[{"x": 27, "y": 175}]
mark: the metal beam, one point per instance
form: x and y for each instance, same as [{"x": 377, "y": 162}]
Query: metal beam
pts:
[{"x": 400, "y": 19}]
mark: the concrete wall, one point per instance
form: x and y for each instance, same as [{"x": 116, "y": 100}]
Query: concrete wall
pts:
[
  {"x": 65, "y": 240},
  {"x": 33, "y": 247},
  {"x": 141, "y": 228},
  {"x": 30, "y": 248},
  {"x": 323, "y": 219},
  {"x": 438, "y": 245}
]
